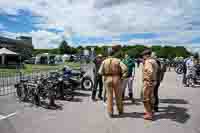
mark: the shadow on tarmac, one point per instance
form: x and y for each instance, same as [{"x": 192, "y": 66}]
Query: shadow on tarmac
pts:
[
  {"x": 81, "y": 94},
  {"x": 173, "y": 101},
  {"x": 173, "y": 113},
  {"x": 167, "y": 101}
]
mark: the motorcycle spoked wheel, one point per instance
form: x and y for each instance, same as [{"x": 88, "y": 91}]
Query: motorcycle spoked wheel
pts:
[
  {"x": 20, "y": 92},
  {"x": 68, "y": 92},
  {"x": 36, "y": 98},
  {"x": 179, "y": 69},
  {"x": 87, "y": 83}
]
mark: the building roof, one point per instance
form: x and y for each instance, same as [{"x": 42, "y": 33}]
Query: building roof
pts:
[
  {"x": 4, "y": 51},
  {"x": 9, "y": 41}
]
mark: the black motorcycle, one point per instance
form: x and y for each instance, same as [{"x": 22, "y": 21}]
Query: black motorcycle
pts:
[
  {"x": 79, "y": 78},
  {"x": 27, "y": 91}
]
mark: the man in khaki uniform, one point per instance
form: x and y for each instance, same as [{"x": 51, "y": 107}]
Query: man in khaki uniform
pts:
[
  {"x": 149, "y": 81},
  {"x": 112, "y": 70}
]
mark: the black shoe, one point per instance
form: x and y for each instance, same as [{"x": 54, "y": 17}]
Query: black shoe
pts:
[
  {"x": 130, "y": 95},
  {"x": 121, "y": 113},
  {"x": 100, "y": 98},
  {"x": 93, "y": 99},
  {"x": 186, "y": 85},
  {"x": 156, "y": 109}
]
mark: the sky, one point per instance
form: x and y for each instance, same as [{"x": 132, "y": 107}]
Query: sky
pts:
[{"x": 99, "y": 22}]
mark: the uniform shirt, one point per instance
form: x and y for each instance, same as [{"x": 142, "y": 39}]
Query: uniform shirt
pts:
[
  {"x": 113, "y": 66},
  {"x": 130, "y": 65},
  {"x": 150, "y": 70}
]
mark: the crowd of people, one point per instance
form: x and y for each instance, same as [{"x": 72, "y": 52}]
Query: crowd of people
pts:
[{"x": 113, "y": 76}]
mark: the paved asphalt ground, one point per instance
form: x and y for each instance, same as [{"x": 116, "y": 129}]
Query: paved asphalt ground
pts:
[{"x": 180, "y": 113}]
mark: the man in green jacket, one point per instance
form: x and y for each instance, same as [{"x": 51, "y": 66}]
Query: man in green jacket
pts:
[{"x": 130, "y": 63}]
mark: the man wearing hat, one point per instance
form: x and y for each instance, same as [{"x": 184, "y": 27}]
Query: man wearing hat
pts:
[
  {"x": 112, "y": 70},
  {"x": 98, "y": 78},
  {"x": 149, "y": 81}
]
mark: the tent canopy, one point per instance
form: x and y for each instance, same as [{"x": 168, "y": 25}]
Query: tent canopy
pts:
[{"x": 4, "y": 51}]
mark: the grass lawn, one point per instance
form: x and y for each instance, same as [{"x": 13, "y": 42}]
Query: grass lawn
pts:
[{"x": 31, "y": 68}]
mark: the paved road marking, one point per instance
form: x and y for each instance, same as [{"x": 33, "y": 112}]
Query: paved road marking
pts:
[{"x": 2, "y": 117}]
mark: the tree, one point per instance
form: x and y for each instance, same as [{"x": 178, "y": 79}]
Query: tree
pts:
[
  {"x": 119, "y": 54},
  {"x": 196, "y": 55},
  {"x": 64, "y": 48}
]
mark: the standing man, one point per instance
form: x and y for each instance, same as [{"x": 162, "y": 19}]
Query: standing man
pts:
[
  {"x": 98, "y": 78},
  {"x": 160, "y": 75},
  {"x": 130, "y": 64},
  {"x": 149, "y": 81},
  {"x": 112, "y": 70}
]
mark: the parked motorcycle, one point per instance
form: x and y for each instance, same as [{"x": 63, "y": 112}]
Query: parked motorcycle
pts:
[
  {"x": 79, "y": 78},
  {"x": 20, "y": 87},
  {"x": 193, "y": 77}
]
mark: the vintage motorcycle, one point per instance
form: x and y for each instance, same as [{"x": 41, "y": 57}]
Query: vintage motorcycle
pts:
[
  {"x": 193, "y": 78},
  {"x": 79, "y": 78}
]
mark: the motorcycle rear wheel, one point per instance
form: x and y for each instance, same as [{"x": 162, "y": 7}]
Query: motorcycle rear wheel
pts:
[
  {"x": 87, "y": 83},
  {"x": 20, "y": 92}
]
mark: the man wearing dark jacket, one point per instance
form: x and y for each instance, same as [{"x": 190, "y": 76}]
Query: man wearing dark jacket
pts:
[{"x": 98, "y": 78}]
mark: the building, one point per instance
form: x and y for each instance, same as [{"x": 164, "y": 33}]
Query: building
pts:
[
  {"x": 22, "y": 45},
  {"x": 8, "y": 58}
]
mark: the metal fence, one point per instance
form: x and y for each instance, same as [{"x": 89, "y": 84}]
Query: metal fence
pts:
[{"x": 9, "y": 79}]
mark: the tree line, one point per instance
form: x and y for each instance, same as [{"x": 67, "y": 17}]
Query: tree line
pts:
[{"x": 134, "y": 50}]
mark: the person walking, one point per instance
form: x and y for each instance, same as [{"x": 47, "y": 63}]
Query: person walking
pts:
[
  {"x": 149, "y": 81},
  {"x": 98, "y": 78},
  {"x": 128, "y": 82},
  {"x": 112, "y": 70}
]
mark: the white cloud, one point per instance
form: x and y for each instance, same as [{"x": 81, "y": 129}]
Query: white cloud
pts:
[
  {"x": 194, "y": 49},
  {"x": 41, "y": 38},
  {"x": 45, "y": 39},
  {"x": 2, "y": 26},
  {"x": 114, "y": 17}
]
